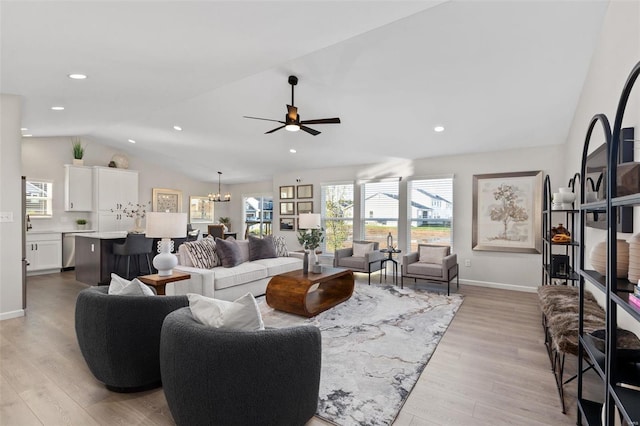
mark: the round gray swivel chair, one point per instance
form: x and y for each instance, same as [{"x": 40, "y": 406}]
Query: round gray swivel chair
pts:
[
  {"x": 119, "y": 336},
  {"x": 135, "y": 245},
  {"x": 214, "y": 377}
]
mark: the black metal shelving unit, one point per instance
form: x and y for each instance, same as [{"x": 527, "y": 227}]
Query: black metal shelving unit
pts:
[{"x": 620, "y": 379}]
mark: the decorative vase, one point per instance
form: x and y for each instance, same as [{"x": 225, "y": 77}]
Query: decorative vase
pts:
[
  {"x": 137, "y": 227},
  {"x": 598, "y": 258},
  {"x": 78, "y": 162},
  {"x": 634, "y": 259},
  {"x": 389, "y": 241}
]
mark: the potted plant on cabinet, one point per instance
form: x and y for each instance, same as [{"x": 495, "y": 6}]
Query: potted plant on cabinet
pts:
[
  {"x": 78, "y": 151},
  {"x": 81, "y": 223}
]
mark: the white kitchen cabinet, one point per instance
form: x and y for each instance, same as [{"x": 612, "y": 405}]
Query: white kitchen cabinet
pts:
[
  {"x": 44, "y": 252},
  {"x": 78, "y": 188},
  {"x": 107, "y": 221},
  {"x": 114, "y": 188}
]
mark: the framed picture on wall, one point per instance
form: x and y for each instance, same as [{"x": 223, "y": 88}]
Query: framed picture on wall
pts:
[
  {"x": 287, "y": 208},
  {"x": 200, "y": 209},
  {"x": 167, "y": 200},
  {"x": 286, "y": 192},
  {"x": 305, "y": 191},
  {"x": 507, "y": 210},
  {"x": 287, "y": 224},
  {"x": 305, "y": 207}
]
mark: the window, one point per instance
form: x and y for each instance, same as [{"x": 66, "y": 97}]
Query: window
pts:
[
  {"x": 258, "y": 214},
  {"x": 39, "y": 196},
  {"x": 431, "y": 212},
  {"x": 381, "y": 202},
  {"x": 337, "y": 215}
]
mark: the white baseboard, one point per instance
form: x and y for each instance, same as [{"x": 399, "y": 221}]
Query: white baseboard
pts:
[
  {"x": 502, "y": 286},
  {"x": 12, "y": 314}
]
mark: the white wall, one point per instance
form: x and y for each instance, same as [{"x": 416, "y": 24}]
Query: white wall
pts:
[
  {"x": 44, "y": 158},
  {"x": 617, "y": 52},
  {"x": 506, "y": 270},
  {"x": 11, "y": 202}
]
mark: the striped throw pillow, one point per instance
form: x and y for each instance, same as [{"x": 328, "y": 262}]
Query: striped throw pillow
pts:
[{"x": 203, "y": 253}]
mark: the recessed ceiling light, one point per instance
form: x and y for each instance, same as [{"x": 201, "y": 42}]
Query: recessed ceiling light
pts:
[
  {"x": 438, "y": 129},
  {"x": 77, "y": 76},
  {"x": 293, "y": 151},
  {"x": 57, "y": 108},
  {"x": 26, "y": 136},
  {"x": 131, "y": 140},
  {"x": 178, "y": 128},
  {"x": 23, "y": 129}
]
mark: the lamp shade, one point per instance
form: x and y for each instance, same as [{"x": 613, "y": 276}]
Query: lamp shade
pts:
[
  {"x": 166, "y": 225},
  {"x": 310, "y": 221}
]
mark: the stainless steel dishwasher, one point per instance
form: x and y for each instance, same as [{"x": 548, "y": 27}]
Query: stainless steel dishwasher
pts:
[{"x": 68, "y": 250}]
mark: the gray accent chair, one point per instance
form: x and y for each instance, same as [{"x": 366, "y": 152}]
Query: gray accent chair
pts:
[
  {"x": 119, "y": 336},
  {"x": 215, "y": 377},
  {"x": 442, "y": 269},
  {"x": 371, "y": 262}
]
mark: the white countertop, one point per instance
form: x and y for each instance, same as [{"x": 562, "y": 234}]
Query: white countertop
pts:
[
  {"x": 57, "y": 231},
  {"x": 104, "y": 235}
]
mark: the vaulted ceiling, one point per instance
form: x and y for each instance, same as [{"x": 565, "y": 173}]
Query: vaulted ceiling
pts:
[{"x": 496, "y": 74}]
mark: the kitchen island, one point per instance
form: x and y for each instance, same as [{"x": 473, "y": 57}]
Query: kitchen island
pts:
[{"x": 94, "y": 256}]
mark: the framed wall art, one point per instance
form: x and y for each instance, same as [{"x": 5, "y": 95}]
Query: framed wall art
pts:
[
  {"x": 287, "y": 207},
  {"x": 305, "y": 207},
  {"x": 287, "y": 224},
  {"x": 286, "y": 192},
  {"x": 507, "y": 209},
  {"x": 305, "y": 191},
  {"x": 200, "y": 210},
  {"x": 167, "y": 200}
]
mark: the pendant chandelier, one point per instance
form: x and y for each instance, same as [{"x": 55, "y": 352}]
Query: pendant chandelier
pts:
[{"x": 219, "y": 198}]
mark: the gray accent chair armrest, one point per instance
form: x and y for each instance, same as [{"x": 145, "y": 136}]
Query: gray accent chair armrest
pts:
[
  {"x": 409, "y": 258},
  {"x": 215, "y": 377},
  {"x": 119, "y": 336}
]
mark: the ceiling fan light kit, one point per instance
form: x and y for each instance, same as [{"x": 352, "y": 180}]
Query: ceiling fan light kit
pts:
[{"x": 292, "y": 120}]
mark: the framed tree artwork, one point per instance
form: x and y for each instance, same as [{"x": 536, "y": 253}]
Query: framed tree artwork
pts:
[{"x": 507, "y": 209}]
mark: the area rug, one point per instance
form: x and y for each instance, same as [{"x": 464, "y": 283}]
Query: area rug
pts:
[{"x": 374, "y": 347}]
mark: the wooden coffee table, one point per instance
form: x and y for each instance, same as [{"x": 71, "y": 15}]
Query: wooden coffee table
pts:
[{"x": 289, "y": 292}]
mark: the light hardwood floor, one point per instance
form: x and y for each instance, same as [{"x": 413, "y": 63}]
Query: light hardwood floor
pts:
[{"x": 490, "y": 368}]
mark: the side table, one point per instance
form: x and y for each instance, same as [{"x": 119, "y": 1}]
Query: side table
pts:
[
  {"x": 390, "y": 253},
  {"x": 159, "y": 282}
]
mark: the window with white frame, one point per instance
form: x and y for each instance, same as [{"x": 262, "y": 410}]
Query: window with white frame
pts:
[
  {"x": 430, "y": 211},
  {"x": 39, "y": 195},
  {"x": 337, "y": 215},
  {"x": 381, "y": 203},
  {"x": 258, "y": 214}
]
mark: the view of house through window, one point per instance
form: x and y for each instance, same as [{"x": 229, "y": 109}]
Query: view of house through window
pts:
[
  {"x": 337, "y": 216},
  {"x": 39, "y": 198},
  {"x": 431, "y": 212},
  {"x": 381, "y": 211},
  {"x": 258, "y": 213}
]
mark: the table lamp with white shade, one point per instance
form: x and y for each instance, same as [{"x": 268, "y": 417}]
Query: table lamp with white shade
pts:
[{"x": 166, "y": 226}]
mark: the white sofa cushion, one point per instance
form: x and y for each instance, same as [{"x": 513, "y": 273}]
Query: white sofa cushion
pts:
[
  {"x": 123, "y": 287},
  {"x": 240, "y": 274},
  {"x": 241, "y": 314},
  {"x": 279, "y": 265}
]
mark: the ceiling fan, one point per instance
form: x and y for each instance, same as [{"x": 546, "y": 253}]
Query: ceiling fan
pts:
[{"x": 292, "y": 120}]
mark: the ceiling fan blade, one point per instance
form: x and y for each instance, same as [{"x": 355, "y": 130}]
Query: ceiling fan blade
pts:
[
  {"x": 265, "y": 119},
  {"x": 271, "y": 131},
  {"x": 309, "y": 130},
  {"x": 335, "y": 120},
  {"x": 292, "y": 112}
]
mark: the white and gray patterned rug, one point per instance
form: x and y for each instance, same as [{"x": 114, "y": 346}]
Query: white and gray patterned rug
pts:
[{"x": 374, "y": 347}]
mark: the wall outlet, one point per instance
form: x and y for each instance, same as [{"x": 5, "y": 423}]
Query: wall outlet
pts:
[
  {"x": 467, "y": 262},
  {"x": 6, "y": 216}
]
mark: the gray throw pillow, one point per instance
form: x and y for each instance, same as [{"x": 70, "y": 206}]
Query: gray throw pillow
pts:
[
  {"x": 261, "y": 248},
  {"x": 228, "y": 252}
]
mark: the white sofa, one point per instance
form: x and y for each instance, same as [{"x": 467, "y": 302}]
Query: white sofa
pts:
[{"x": 231, "y": 283}]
